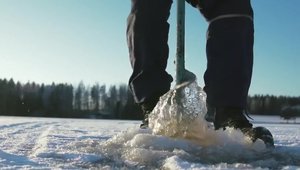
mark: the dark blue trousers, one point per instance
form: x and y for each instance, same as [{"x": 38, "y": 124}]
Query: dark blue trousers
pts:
[
  {"x": 229, "y": 51},
  {"x": 229, "y": 55},
  {"x": 147, "y": 37}
]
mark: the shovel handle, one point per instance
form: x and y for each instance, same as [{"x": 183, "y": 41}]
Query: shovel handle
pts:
[{"x": 180, "y": 70}]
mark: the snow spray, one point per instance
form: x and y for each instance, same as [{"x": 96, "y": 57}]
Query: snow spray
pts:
[{"x": 180, "y": 114}]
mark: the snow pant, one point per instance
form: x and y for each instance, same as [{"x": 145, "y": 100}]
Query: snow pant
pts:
[
  {"x": 147, "y": 38},
  {"x": 229, "y": 55},
  {"x": 229, "y": 52}
]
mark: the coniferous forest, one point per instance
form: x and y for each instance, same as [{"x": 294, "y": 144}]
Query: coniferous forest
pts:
[{"x": 101, "y": 101}]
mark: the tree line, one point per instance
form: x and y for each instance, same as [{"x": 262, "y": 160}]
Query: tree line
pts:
[
  {"x": 102, "y": 101},
  {"x": 284, "y": 106},
  {"x": 65, "y": 100}
]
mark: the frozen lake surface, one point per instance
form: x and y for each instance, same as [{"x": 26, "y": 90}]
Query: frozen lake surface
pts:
[{"x": 48, "y": 143}]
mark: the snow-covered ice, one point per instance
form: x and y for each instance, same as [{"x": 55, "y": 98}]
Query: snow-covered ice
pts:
[{"x": 49, "y": 143}]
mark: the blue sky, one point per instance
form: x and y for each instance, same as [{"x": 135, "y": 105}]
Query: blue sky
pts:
[{"x": 68, "y": 41}]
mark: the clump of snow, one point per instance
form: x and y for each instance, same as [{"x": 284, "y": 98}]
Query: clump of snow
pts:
[
  {"x": 143, "y": 148},
  {"x": 180, "y": 114}
]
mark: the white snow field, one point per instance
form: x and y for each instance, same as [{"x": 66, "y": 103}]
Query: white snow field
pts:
[{"x": 49, "y": 143}]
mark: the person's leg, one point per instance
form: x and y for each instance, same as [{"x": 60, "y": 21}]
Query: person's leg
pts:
[
  {"x": 229, "y": 70},
  {"x": 229, "y": 62},
  {"x": 228, "y": 76},
  {"x": 147, "y": 36}
]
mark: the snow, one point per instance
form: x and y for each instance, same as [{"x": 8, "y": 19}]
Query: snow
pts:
[{"x": 49, "y": 143}]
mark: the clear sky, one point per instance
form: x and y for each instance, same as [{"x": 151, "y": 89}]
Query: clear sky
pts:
[{"x": 66, "y": 41}]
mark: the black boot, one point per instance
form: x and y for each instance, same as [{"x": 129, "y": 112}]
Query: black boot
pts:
[
  {"x": 235, "y": 117},
  {"x": 147, "y": 108},
  {"x": 210, "y": 115},
  {"x": 145, "y": 121}
]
